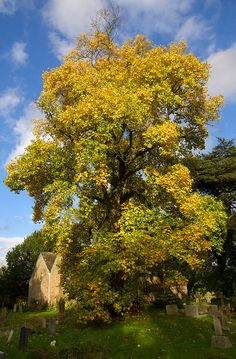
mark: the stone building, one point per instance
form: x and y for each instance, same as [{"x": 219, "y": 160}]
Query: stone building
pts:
[{"x": 44, "y": 284}]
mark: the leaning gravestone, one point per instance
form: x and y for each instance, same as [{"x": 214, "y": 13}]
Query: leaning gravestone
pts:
[
  {"x": 10, "y": 336},
  {"x": 217, "y": 326},
  {"x": 24, "y": 337},
  {"x": 172, "y": 309},
  {"x": 52, "y": 326},
  {"x": 191, "y": 310}
]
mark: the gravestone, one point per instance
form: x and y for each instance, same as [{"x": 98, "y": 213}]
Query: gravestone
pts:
[
  {"x": 52, "y": 326},
  {"x": 15, "y": 308},
  {"x": 2, "y": 355},
  {"x": 191, "y": 310},
  {"x": 217, "y": 326},
  {"x": 20, "y": 308},
  {"x": 172, "y": 309},
  {"x": 24, "y": 337},
  {"x": 10, "y": 336}
]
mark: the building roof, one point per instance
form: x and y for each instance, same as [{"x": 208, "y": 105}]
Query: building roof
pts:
[{"x": 49, "y": 259}]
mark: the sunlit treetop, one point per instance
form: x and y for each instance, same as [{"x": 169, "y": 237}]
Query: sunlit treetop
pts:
[{"x": 115, "y": 116}]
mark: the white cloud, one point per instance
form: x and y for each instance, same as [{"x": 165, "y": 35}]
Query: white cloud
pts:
[
  {"x": 67, "y": 19},
  {"x": 7, "y": 243},
  {"x": 193, "y": 29},
  {"x": 223, "y": 74},
  {"x": 23, "y": 130},
  {"x": 9, "y": 101},
  {"x": 18, "y": 53},
  {"x": 8, "y": 6},
  {"x": 61, "y": 46},
  {"x": 149, "y": 16},
  {"x": 71, "y": 17}
]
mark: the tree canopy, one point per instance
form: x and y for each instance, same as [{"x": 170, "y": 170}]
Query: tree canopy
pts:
[{"x": 106, "y": 168}]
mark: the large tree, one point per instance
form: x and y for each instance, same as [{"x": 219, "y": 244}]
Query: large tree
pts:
[{"x": 106, "y": 169}]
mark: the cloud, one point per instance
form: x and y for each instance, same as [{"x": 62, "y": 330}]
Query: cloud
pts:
[
  {"x": 9, "y": 100},
  {"x": 72, "y": 16},
  {"x": 18, "y": 53},
  {"x": 67, "y": 19},
  {"x": 7, "y": 243},
  {"x": 61, "y": 46},
  {"x": 193, "y": 28},
  {"x": 155, "y": 15},
  {"x": 23, "y": 130},
  {"x": 223, "y": 75},
  {"x": 8, "y": 6}
]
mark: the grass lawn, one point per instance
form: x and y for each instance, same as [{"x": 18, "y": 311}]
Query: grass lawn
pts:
[{"x": 152, "y": 335}]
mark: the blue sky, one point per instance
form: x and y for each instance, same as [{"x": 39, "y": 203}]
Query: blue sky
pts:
[{"x": 34, "y": 35}]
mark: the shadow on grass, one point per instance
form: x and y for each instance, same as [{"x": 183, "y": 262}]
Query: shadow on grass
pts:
[{"x": 153, "y": 335}]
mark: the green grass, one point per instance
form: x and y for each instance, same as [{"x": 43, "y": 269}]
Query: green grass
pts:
[{"x": 149, "y": 336}]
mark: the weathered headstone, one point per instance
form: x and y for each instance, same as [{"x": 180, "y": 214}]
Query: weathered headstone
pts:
[
  {"x": 52, "y": 326},
  {"x": 15, "y": 308},
  {"x": 24, "y": 337},
  {"x": 172, "y": 309},
  {"x": 191, "y": 310},
  {"x": 20, "y": 308},
  {"x": 10, "y": 336},
  {"x": 217, "y": 326},
  {"x": 2, "y": 355}
]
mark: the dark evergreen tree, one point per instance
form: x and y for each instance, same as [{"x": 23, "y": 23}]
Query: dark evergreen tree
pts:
[
  {"x": 215, "y": 174},
  {"x": 14, "y": 278}
]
